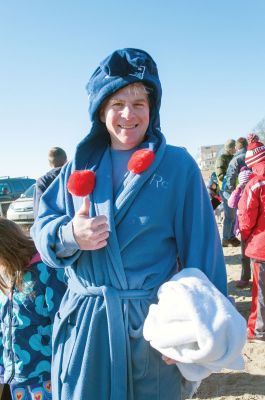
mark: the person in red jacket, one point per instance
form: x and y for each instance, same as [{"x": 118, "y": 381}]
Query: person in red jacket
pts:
[{"x": 251, "y": 216}]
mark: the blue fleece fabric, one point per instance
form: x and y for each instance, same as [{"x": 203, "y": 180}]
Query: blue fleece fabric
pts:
[
  {"x": 119, "y": 159},
  {"x": 99, "y": 351}
]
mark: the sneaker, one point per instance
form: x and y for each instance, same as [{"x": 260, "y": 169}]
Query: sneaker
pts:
[
  {"x": 242, "y": 284},
  {"x": 234, "y": 242}
]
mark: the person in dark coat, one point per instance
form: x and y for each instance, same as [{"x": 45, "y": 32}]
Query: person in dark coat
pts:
[
  {"x": 57, "y": 158},
  {"x": 221, "y": 167},
  {"x": 235, "y": 165}
]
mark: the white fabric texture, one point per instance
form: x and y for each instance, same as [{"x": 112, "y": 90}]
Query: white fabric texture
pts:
[{"x": 197, "y": 325}]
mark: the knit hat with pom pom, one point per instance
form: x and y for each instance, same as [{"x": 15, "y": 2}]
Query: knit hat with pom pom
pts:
[
  {"x": 244, "y": 175},
  {"x": 255, "y": 151}
]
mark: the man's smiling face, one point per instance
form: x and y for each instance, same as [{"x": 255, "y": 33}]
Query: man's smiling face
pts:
[{"x": 126, "y": 115}]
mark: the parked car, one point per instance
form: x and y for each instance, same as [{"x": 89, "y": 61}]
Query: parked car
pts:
[
  {"x": 11, "y": 189},
  {"x": 21, "y": 210}
]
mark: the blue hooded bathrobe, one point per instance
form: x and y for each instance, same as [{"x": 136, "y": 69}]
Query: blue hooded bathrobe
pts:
[{"x": 157, "y": 217}]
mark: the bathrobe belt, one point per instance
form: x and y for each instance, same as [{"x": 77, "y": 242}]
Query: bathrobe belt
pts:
[{"x": 118, "y": 332}]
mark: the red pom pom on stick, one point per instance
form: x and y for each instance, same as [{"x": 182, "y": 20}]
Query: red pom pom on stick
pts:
[
  {"x": 81, "y": 183},
  {"x": 141, "y": 160}
]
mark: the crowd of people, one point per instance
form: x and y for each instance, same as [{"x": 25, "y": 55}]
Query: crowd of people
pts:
[
  {"x": 136, "y": 213},
  {"x": 239, "y": 180}
]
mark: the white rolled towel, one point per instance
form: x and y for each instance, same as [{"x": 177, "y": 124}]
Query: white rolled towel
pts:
[{"x": 196, "y": 325}]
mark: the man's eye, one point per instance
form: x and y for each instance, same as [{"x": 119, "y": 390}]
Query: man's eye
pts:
[{"x": 117, "y": 104}]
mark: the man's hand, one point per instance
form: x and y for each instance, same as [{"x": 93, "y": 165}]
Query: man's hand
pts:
[
  {"x": 168, "y": 360},
  {"x": 89, "y": 233}
]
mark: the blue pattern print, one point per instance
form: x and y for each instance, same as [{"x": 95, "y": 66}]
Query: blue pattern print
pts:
[
  {"x": 26, "y": 319},
  {"x": 42, "y": 340},
  {"x": 42, "y": 366}
]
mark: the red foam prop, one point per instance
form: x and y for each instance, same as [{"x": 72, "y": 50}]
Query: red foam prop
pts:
[
  {"x": 81, "y": 183},
  {"x": 141, "y": 160}
]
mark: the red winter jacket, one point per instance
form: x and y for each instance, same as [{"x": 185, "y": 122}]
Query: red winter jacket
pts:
[{"x": 251, "y": 214}]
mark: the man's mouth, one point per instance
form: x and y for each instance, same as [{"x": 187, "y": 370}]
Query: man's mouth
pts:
[{"x": 128, "y": 126}]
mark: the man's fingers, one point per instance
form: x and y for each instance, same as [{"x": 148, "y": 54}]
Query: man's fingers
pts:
[
  {"x": 100, "y": 245},
  {"x": 95, "y": 246},
  {"x": 98, "y": 229},
  {"x": 97, "y": 238},
  {"x": 84, "y": 209},
  {"x": 90, "y": 233},
  {"x": 168, "y": 360},
  {"x": 103, "y": 236},
  {"x": 99, "y": 222}
]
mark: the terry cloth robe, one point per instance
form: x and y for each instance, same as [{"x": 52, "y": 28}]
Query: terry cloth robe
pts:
[
  {"x": 156, "y": 217},
  {"x": 196, "y": 325},
  {"x": 99, "y": 325}
]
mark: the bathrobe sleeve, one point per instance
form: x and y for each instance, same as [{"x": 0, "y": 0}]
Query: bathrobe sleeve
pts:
[
  {"x": 197, "y": 235},
  {"x": 56, "y": 211}
]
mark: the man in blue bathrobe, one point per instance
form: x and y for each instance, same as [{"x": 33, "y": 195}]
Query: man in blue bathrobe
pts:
[{"x": 122, "y": 243}]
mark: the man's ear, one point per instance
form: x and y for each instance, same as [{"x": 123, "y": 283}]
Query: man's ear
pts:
[{"x": 102, "y": 115}]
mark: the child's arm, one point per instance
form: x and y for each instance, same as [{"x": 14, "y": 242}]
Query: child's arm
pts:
[
  {"x": 248, "y": 211},
  {"x": 235, "y": 197}
]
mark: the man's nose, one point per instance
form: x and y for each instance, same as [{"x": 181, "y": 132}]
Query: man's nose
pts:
[{"x": 127, "y": 111}]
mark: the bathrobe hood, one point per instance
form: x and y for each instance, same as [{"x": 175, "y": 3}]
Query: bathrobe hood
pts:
[{"x": 123, "y": 67}]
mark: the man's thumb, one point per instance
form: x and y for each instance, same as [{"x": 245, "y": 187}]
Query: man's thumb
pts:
[{"x": 84, "y": 209}]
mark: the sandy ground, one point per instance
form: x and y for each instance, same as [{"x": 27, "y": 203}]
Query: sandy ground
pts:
[{"x": 250, "y": 383}]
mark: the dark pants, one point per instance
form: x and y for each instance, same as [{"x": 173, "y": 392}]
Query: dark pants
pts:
[
  {"x": 245, "y": 264},
  {"x": 6, "y": 395}
]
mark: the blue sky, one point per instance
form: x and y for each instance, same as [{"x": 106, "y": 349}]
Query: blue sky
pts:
[{"x": 210, "y": 56}]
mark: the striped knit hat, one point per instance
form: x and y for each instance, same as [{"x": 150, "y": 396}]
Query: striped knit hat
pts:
[
  {"x": 255, "y": 151},
  {"x": 244, "y": 175}
]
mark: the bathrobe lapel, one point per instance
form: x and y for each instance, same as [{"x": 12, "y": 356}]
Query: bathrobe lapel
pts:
[{"x": 102, "y": 200}]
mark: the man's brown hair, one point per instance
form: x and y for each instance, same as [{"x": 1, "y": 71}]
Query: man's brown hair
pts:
[
  {"x": 241, "y": 143},
  {"x": 57, "y": 157}
]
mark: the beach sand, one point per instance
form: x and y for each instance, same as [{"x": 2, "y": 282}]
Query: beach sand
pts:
[{"x": 250, "y": 383}]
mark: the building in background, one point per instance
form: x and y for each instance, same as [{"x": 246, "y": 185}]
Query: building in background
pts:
[{"x": 206, "y": 158}]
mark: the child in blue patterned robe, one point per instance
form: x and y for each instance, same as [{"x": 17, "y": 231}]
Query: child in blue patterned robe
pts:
[{"x": 30, "y": 294}]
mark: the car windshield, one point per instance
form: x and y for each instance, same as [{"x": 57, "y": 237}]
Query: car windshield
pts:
[
  {"x": 29, "y": 192},
  {"x": 3, "y": 189}
]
